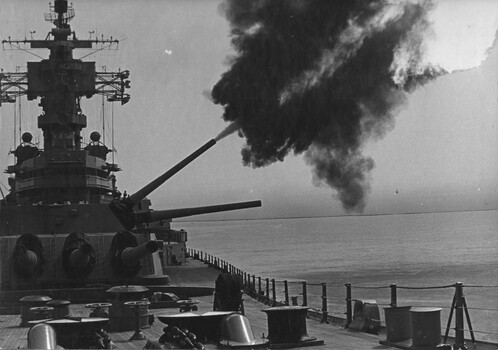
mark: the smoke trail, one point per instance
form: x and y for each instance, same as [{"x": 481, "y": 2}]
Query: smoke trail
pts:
[{"x": 321, "y": 77}]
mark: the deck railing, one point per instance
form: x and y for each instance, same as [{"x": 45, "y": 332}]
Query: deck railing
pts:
[{"x": 334, "y": 302}]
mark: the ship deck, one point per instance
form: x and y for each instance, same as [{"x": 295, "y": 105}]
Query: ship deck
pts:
[{"x": 197, "y": 274}]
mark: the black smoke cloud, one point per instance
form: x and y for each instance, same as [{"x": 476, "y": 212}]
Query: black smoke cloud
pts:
[{"x": 319, "y": 78}]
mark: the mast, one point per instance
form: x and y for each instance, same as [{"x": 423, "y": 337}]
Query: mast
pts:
[{"x": 59, "y": 83}]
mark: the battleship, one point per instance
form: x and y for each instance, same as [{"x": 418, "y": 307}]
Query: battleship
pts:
[
  {"x": 86, "y": 266},
  {"x": 64, "y": 223},
  {"x": 65, "y": 228}
]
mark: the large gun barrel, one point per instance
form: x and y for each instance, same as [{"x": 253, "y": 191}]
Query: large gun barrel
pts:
[
  {"x": 126, "y": 253},
  {"x": 25, "y": 258},
  {"x": 133, "y": 199},
  {"x": 157, "y": 215},
  {"x": 131, "y": 256},
  {"x": 80, "y": 257}
]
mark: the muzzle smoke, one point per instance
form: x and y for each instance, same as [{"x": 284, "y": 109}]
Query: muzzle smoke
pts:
[
  {"x": 230, "y": 129},
  {"x": 319, "y": 78}
]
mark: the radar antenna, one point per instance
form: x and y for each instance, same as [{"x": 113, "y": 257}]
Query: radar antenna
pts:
[{"x": 60, "y": 13}]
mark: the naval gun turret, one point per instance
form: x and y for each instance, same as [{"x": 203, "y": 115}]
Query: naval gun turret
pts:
[
  {"x": 123, "y": 262},
  {"x": 64, "y": 225},
  {"x": 123, "y": 209}
]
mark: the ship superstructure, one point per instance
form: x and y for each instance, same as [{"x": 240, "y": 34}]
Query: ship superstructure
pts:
[{"x": 64, "y": 224}]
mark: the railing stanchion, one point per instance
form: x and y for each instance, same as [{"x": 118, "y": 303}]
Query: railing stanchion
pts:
[
  {"x": 471, "y": 330},
  {"x": 325, "y": 311},
  {"x": 274, "y": 293},
  {"x": 286, "y": 292},
  {"x": 267, "y": 294},
  {"x": 260, "y": 291},
  {"x": 394, "y": 295},
  {"x": 459, "y": 332},
  {"x": 349, "y": 308},
  {"x": 254, "y": 284},
  {"x": 305, "y": 294},
  {"x": 450, "y": 316}
]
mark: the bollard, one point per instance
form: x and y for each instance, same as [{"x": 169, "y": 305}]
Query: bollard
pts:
[
  {"x": 349, "y": 306},
  {"x": 29, "y": 302},
  {"x": 426, "y": 327},
  {"x": 325, "y": 311},
  {"x": 137, "y": 335},
  {"x": 398, "y": 324},
  {"x": 61, "y": 308},
  {"x": 287, "y": 327}
]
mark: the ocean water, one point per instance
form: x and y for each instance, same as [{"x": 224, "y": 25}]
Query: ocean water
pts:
[{"x": 409, "y": 250}]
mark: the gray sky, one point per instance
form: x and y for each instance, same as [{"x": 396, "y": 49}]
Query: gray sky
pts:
[{"x": 440, "y": 155}]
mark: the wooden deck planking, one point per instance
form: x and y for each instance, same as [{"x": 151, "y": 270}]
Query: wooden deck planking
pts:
[{"x": 198, "y": 274}]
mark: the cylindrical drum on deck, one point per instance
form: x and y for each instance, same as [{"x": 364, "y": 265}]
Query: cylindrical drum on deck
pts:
[
  {"x": 287, "y": 324},
  {"x": 398, "y": 323},
  {"x": 122, "y": 317},
  {"x": 29, "y": 302},
  {"x": 61, "y": 308},
  {"x": 426, "y": 326}
]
